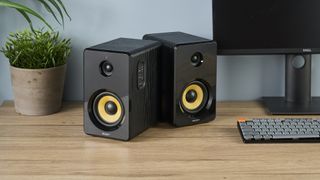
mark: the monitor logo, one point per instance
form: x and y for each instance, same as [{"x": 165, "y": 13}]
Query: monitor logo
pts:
[{"x": 307, "y": 50}]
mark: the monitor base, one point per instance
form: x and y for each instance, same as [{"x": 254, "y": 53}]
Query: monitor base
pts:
[{"x": 279, "y": 106}]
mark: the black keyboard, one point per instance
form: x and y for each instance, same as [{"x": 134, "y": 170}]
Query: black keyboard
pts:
[{"x": 266, "y": 130}]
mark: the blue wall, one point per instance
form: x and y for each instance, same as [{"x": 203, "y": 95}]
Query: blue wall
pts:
[{"x": 96, "y": 21}]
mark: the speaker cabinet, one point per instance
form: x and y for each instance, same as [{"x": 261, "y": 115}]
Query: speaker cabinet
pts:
[
  {"x": 188, "y": 78},
  {"x": 120, "y": 88}
]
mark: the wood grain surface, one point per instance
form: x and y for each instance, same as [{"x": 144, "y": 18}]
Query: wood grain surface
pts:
[{"x": 55, "y": 147}]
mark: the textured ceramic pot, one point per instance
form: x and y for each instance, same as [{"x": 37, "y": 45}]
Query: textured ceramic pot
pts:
[{"x": 38, "y": 92}]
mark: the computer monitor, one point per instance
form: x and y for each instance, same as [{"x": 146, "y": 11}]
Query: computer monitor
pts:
[{"x": 290, "y": 27}]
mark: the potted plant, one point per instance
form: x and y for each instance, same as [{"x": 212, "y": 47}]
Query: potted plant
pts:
[{"x": 38, "y": 64}]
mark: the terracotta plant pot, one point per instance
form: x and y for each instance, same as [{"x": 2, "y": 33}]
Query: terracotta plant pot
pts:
[{"x": 38, "y": 92}]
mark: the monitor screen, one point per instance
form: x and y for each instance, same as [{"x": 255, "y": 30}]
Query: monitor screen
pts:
[{"x": 267, "y": 26}]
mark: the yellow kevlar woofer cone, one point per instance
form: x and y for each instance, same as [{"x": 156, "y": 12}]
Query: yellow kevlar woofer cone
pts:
[
  {"x": 108, "y": 109},
  {"x": 194, "y": 97}
]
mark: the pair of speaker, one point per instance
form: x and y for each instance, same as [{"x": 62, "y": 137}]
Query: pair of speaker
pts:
[{"x": 131, "y": 84}]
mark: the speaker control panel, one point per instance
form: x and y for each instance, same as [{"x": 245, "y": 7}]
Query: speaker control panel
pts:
[{"x": 141, "y": 74}]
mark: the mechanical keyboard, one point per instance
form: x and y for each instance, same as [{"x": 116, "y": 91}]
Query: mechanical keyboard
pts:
[{"x": 267, "y": 130}]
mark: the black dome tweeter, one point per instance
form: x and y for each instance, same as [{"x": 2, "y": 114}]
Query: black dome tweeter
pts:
[
  {"x": 197, "y": 59},
  {"x": 106, "y": 68}
]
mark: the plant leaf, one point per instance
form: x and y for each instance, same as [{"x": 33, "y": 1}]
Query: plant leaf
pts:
[
  {"x": 25, "y": 15},
  {"x": 54, "y": 3},
  {"x": 6, "y": 3},
  {"x": 48, "y": 8},
  {"x": 64, "y": 9}
]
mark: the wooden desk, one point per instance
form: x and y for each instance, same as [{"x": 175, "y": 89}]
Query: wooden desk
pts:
[{"x": 55, "y": 147}]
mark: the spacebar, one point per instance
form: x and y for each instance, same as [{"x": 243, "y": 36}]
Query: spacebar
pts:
[{"x": 301, "y": 136}]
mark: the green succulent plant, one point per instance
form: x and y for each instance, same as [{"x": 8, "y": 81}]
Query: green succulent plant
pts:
[
  {"x": 53, "y": 7},
  {"x": 36, "y": 49}
]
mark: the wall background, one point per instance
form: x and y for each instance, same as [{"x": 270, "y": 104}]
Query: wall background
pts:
[{"x": 97, "y": 21}]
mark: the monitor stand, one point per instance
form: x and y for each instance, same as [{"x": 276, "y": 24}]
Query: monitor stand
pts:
[{"x": 298, "y": 99}]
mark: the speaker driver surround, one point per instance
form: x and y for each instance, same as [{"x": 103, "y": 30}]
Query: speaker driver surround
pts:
[
  {"x": 194, "y": 97},
  {"x": 108, "y": 109}
]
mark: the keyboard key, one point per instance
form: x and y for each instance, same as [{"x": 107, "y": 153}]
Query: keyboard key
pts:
[
  {"x": 247, "y": 138},
  {"x": 257, "y": 137}
]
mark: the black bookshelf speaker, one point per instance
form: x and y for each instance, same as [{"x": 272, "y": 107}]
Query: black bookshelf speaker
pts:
[
  {"x": 187, "y": 78},
  {"x": 120, "y": 88}
]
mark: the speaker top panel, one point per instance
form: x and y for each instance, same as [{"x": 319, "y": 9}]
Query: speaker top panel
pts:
[
  {"x": 126, "y": 46},
  {"x": 173, "y": 39}
]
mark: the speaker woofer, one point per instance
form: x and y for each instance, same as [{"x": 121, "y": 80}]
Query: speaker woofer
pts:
[
  {"x": 108, "y": 109},
  {"x": 194, "y": 97}
]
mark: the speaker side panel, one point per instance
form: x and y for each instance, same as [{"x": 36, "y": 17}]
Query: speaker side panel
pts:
[
  {"x": 117, "y": 83},
  {"x": 166, "y": 80},
  {"x": 154, "y": 85},
  {"x": 187, "y": 72},
  {"x": 143, "y": 91}
]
